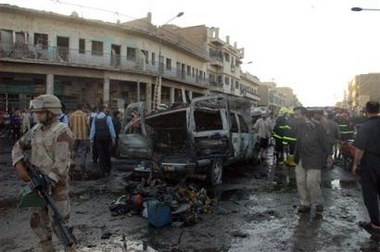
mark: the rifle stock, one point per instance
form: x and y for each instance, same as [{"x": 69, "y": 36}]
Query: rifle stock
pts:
[{"x": 41, "y": 184}]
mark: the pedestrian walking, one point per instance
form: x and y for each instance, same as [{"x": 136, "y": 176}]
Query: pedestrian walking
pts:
[
  {"x": 263, "y": 128},
  {"x": 367, "y": 165},
  {"x": 310, "y": 156},
  {"x": 50, "y": 142},
  {"x": 80, "y": 125},
  {"x": 102, "y": 135}
]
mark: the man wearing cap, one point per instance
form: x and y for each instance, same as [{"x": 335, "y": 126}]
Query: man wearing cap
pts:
[{"x": 50, "y": 142}]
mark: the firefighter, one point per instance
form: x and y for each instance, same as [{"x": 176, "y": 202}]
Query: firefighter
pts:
[
  {"x": 290, "y": 139},
  {"x": 346, "y": 127},
  {"x": 278, "y": 134}
]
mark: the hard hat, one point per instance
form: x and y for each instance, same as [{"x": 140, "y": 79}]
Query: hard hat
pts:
[
  {"x": 46, "y": 102},
  {"x": 291, "y": 111},
  {"x": 283, "y": 111}
]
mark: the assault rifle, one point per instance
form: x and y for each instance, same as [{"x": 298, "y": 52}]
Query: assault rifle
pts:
[{"x": 41, "y": 182}]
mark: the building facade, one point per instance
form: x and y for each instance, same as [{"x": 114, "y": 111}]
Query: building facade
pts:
[
  {"x": 361, "y": 89},
  {"x": 93, "y": 61}
]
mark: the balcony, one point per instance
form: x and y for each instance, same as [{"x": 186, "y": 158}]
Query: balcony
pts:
[
  {"x": 250, "y": 95},
  {"x": 216, "y": 61},
  {"x": 50, "y": 55},
  {"x": 215, "y": 86},
  {"x": 216, "y": 41}
]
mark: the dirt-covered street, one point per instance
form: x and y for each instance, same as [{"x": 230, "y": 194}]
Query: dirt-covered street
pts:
[{"x": 256, "y": 210}]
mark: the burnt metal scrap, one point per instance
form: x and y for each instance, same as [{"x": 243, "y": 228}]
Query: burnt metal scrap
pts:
[
  {"x": 200, "y": 138},
  {"x": 186, "y": 203}
]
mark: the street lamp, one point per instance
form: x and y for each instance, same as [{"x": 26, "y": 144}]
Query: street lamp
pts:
[
  {"x": 157, "y": 91},
  {"x": 363, "y": 9}
]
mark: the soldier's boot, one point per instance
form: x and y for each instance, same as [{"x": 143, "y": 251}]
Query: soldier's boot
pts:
[{"x": 47, "y": 246}]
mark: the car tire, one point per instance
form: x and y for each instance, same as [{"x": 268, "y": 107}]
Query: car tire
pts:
[{"x": 215, "y": 173}]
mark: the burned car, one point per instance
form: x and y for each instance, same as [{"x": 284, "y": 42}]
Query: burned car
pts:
[{"x": 199, "y": 138}]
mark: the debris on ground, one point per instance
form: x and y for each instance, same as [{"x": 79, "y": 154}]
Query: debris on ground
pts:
[{"x": 178, "y": 205}]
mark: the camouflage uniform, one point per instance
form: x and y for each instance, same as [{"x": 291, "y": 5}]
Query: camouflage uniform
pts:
[{"x": 50, "y": 153}]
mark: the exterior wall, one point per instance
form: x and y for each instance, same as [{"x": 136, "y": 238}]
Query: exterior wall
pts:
[
  {"x": 363, "y": 88},
  {"x": 81, "y": 75}
]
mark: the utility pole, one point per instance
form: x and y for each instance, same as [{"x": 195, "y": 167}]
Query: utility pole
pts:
[{"x": 158, "y": 87}]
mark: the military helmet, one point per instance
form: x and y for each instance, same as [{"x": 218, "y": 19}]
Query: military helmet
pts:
[{"x": 46, "y": 102}]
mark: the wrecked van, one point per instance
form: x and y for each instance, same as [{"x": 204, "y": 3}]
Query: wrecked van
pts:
[{"x": 198, "y": 138}]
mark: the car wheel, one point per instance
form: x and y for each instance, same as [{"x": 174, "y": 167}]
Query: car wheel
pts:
[{"x": 216, "y": 172}]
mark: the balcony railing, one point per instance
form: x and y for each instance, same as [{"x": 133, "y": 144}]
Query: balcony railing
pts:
[{"x": 91, "y": 59}]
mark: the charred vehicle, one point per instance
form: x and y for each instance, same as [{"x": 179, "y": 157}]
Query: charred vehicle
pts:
[{"x": 199, "y": 138}]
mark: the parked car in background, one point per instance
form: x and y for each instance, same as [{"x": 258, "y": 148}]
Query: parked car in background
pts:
[{"x": 198, "y": 138}]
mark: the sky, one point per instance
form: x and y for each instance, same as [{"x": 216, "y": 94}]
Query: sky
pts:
[{"x": 314, "y": 47}]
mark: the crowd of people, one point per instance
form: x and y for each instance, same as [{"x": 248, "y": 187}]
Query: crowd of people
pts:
[{"x": 314, "y": 139}]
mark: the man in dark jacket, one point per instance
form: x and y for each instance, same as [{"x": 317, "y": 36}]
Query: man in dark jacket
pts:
[
  {"x": 102, "y": 135},
  {"x": 367, "y": 157},
  {"x": 311, "y": 150}
]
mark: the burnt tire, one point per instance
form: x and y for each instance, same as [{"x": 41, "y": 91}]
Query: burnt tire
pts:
[{"x": 215, "y": 173}]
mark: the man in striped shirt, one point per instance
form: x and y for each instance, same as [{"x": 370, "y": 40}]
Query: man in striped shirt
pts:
[{"x": 79, "y": 124}]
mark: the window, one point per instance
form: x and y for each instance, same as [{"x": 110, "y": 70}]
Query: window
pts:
[
  {"x": 131, "y": 53},
  {"x": 220, "y": 79},
  {"x": 207, "y": 120},
  {"x": 41, "y": 39},
  {"x": 153, "y": 58},
  {"x": 227, "y": 57},
  {"x": 211, "y": 78},
  {"x": 243, "y": 125},
  {"x": 226, "y": 80},
  {"x": 97, "y": 48},
  {"x": 82, "y": 46},
  {"x": 236, "y": 84},
  {"x": 200, "y": 74},
  {"x": 146, "y": 55},
  {"x": 188, "y": 70},
  {"x": 234, "y": 124},
  {"x": 193, "y": 72},
  {"x": 168, "y": 64},
  {"x": 20, "y": 38}
]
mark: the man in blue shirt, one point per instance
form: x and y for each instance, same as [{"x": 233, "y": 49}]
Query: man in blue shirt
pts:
[{"x": 102, "y": 137}]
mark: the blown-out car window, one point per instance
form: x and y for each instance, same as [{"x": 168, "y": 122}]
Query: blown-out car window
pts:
[
  {"x": 234, "y": 124},
  {"x": 208, "y": 120},
  {"x": 243, "y": 125}
]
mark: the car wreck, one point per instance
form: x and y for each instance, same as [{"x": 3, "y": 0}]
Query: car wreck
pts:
[{"x": 202, "y": 137}]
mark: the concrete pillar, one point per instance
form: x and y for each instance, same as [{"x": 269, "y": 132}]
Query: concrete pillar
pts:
[
  {"x": 190, "y": 95},
  {"x": 148, "y": 97},
  {"x": 50, "y": 84},
  {"x": 106, "y": 91},
  {"x": 138, "y": 91},
  {"x": 172, "y": 95},
  {"x": 183, "y": 95}
]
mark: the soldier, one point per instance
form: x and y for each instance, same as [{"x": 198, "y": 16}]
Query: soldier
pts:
[{"x": 50, "y": 142}]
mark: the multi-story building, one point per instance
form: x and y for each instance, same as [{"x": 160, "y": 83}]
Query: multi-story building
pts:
[
  {"x": 270, "y": 98},
  {"x": 361, "y": 89},
  {"x": 93, "y": 61},
  {"x": 224, "y": 68},
  {"x": 291, "y": 99}
]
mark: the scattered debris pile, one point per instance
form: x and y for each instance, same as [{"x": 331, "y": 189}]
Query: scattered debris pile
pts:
[{"x": 162, "y": 204}]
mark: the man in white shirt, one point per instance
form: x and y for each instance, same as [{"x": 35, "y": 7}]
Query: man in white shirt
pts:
[{"x": 263, "y": 128}]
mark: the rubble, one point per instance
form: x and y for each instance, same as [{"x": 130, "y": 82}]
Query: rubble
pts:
[{"x": 186, "y": 203}]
